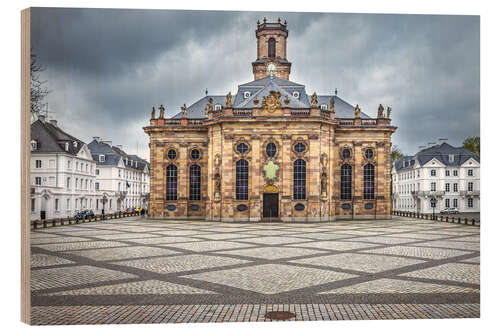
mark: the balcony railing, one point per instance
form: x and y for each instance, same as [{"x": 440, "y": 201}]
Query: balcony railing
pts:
[
  {"x": 469, "y": 193},
  {"x": 428, "y": 193}
]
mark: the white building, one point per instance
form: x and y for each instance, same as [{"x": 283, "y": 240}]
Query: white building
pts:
[
  {"x": 62, "y": 172},
  {"x": 122, "y": 180},
  {"x": 439, "y": 171}
]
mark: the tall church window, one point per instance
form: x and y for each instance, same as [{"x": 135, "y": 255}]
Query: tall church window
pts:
[
  {"x": 171, "y": 182},
  {"x": 369, "y": 182},
  {"x": 299, "y": 180},
  {"x": 345, "y": 182},
  {"x": 195, "y": 182},
  {"x": 242, "y": 180},
  {"x": 271, "y": 48}
]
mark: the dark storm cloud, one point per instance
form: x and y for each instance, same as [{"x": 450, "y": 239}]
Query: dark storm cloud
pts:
[{"x": 106, "y": 68}]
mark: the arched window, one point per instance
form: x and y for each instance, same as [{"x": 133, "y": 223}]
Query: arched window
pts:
[
  {"x": 271, "y": 48},
  {"x": 299, "y": 179},
  {"x": 369, "y": 182},
  {"x": 195, "y": 182},
  {"x": 171, "y": 182},
  {"x": 242, "y": 180},
  {"x": 345, "y": 182}
]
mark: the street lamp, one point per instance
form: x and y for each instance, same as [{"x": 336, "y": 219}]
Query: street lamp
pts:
[
  {"x": 104, "y": 201},
  {"x": 433, "y": 204}
]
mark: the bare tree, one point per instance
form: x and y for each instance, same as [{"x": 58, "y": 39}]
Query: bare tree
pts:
[{"x": 38, "y": 89}]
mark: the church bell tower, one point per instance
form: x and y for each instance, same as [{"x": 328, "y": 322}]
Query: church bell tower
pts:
[{"x": 271, "y": 51}]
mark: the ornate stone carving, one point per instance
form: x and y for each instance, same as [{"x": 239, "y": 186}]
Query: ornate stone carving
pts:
[
  {"x": 256, "y": 101},
  {"x": 286, "y": 137},
  {"x": 324, "y": 184},
  {"x": 380, "y": 113},
  {"x": 229, "y": 103},
  {"x": 357, "y": 112},
  {"x": 272, "y": 102},
  {"x": 324, "y": 162},
  {"x": 217, "y": 178},
  {"x": 228, "y": 137},
  {"x": 287, "y": 101},
  {"x": 314, "y": 100},
  {"x": 313, "y": 137},
  {"x": 255, "y": 137},
  {"x": 389, "y": 109},
  {"x": 153, "y": 114}
]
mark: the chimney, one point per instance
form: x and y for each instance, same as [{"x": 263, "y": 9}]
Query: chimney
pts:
[
  {"x": 53, "y": 122},
  {"x": 119, "y": 147},
  {"x": 443, "y": 140},
  {"x": 41, "y": 117},
  {"x": 430, "y": 144},
  {"x": 420, "y": 148},
  {"x": 108, "y": 143},
  {"x": 96, "y": 138}
]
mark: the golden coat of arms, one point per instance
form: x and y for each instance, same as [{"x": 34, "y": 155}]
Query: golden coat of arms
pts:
[{"x": 272, "y": 102}]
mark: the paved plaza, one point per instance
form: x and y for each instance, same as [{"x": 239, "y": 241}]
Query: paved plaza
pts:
[{"x": 135, "y": 270}]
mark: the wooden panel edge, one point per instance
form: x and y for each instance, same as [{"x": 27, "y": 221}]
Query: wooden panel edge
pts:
[{"x": 25, "y": 164}]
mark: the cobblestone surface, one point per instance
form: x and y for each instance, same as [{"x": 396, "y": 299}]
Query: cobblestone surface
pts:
[{"x": 136, "y": 270}]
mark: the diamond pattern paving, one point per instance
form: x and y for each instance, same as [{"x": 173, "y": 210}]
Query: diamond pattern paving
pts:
[
  {"x": 400, "y": 287},
  {"x": 148, "y": 287},
  {"x": 268, "y": 279},
  {"x": 135, "y": 270},
  {"x": 360, "y": 262}
]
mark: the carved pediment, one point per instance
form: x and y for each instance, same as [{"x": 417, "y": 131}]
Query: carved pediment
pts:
[{"x": 271, "y": 105}]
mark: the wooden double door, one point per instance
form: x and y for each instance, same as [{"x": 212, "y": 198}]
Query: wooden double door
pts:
[{"x": 270, "y": 206}]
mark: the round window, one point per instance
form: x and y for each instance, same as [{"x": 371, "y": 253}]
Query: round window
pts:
[
  {"x": 172, "y": 154},
  {"x": 346, "y": 153},
  {"x": 271, "y": 149},
  {"x": 195, "y": 154},
  {"x": 369, "y": 154},
  {"x": 299, "y": 148},
  {"x": 242, "y": 148}
]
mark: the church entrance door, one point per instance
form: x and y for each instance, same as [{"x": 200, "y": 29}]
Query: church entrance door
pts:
[{"x": 270, "y": 205}]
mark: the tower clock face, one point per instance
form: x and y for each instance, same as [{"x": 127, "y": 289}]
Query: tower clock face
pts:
[{"x": 271, "y": 67}]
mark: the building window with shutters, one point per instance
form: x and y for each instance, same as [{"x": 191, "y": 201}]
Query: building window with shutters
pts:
[
  {"x": 470, "y": 202},
  {"x": 470, "y": 186}
]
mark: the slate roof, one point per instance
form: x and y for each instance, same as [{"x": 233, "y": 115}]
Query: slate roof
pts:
[
  {"x": 52, "y": 139},
  {"x": 261, "y": 88},
  {"x": 439, "y": 152},
  {"x": 114, "y": 155}
]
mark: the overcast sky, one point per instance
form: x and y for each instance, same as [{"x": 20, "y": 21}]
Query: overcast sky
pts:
[{"x": 106, "y": 68}]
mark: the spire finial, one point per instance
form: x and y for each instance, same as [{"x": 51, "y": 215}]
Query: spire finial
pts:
[
  {"x": 279, "y": 20},
  {"x": 206, "y": 91},
  {"x": 265, "y": 20},
  {"x": 335, "y": 91}
]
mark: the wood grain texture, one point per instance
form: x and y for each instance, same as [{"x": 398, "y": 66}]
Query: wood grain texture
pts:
[{"x": 25, "y": 158}]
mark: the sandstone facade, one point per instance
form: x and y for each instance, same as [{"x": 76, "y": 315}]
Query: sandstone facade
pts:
[{"x": 271, "y": 109}]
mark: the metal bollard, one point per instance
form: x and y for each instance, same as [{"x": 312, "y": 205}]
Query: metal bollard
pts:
[
  {"x": 473, "y": 222},
  {"x": 459, "y": 220},
  {"x": 465, "y": 220}
]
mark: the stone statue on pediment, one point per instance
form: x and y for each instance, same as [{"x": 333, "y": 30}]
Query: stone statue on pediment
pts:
[
  {"x": 357, "y": 112},
  {"x": 162, "y": 112},
  {"x": 229, "y": 103},
  {"x": 314, "y": 100},
  {"x": 389, "y": 109},
  {"x": 332, "y": 105},
  {"x": 153, "y": 113},
  {"x": 380, "y": 113}
]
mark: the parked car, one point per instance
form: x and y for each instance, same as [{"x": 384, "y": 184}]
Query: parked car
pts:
[
  {"x": 129, "y": 210},
  {"x": 138, "y": 209},
  {"x": 450, "y": 210},
  {"x": 89, "y": 213},
  {"x": 84, "y": 214}
]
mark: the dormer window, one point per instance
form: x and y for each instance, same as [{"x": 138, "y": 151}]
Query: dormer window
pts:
[
  {"x": 102, "y": 158},
  {"x": 451, "y": 158},
  {"x": 34, "y": 145},
  {"x": 75, "y": 144},
  {"x": 296, "y": 94},
  {"x": 246, "y": 94},
  {"x": 66, "y": 146},
  {"x": 324, "y": 107},
  {"x": 218, "y": 107}
]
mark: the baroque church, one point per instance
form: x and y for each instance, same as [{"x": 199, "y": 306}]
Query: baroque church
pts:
[{"x": 271, "y": 152}]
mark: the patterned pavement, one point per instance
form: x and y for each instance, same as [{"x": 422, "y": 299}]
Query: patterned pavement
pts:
[{"x": 135, "y": 270}]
